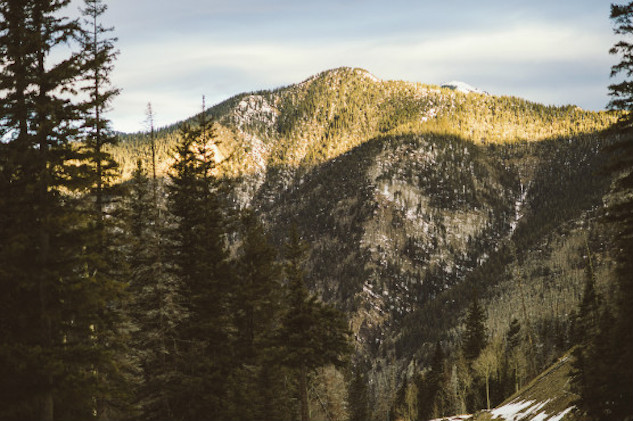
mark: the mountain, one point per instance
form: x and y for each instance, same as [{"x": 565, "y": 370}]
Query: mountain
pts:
[{"x": 414, "y": 198}]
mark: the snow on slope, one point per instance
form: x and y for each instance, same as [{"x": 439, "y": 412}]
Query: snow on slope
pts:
[
  {"x": 518, "y": 410},
  {"x": 463, "y": 87}
]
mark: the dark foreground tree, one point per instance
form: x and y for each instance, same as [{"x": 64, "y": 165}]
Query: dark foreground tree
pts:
[
  {"x": 257, "y": 293},
  {"x": 604, "y": 375},
  {"x": 312, "y": 334},
  {"x": 622, "y": 91},
  {"x": 52, "y": 303},
  {"x": 199, "y": 259},
  {"x": 475, "y": 334},
  {"x": 358, "y": 394},
  {"x": 156, "y": 306},
  {"x": 97, "y": 62}
]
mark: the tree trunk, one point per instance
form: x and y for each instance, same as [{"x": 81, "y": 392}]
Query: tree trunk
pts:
[
  {"x": 46, "y": 333},
  {"x": 488, "y": 391},
  {"x": 516, "y": 377},
  {"x": 303, "y": 386}
]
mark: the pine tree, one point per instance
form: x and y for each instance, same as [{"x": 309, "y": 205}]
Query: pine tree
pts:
[
  {"x": 359, "y": 395},
  {"x": 257, "y": 290},
  {"x": 45, "y": 256},
  {"x": 98, "y": 62},
  {"x": 622, "y": 92},
  {"x": 432, "y": 397},
  {"x": 475, "y": 334},
  {"x": 604, "y": 355},
  {"x": 620, "y": 214},
  {"x": 200, "y": 261},
  {"x": 104, "y": 248},
  {"x": 312, "y": 334},
  {"x": 254, "y": 392},
  {"x": 157, "y": 309},
  {"x": 589, "y": 366}
]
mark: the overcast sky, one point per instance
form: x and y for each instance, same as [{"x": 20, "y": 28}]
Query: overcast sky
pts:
[{"x": 173, "y": 52}]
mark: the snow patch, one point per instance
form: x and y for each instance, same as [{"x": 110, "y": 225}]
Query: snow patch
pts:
[
  {"x": 523, "y": 410},
  {"x": 463, "y": 417},
  {"x": 463, "y": 87},
  {"x": 512, "y": 411},
  {"x": 560, "y": 416},
  {"x": 518, "y": 207}
]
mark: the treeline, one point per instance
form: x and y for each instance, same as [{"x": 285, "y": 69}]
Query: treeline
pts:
[{"x": 124, "y": 301}]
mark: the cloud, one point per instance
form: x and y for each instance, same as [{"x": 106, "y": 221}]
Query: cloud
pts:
[{"x": 175, "y": 72}]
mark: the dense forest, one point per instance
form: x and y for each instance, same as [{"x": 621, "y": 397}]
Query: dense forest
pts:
[{"x": 344, "y": 248}]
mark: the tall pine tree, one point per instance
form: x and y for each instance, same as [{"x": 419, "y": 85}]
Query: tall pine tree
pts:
[
  {"x": 48, "y": 344},
  {"x": 257, "y": 292},
  {"x": 157, "y": 308},
  {"x": 105, "y": 245},
  {"x": 312, "y": 333},
  {"x": 475, "y": 335},
  {"x": 604, "y": 366},
  {"x": 199, "y": 259},
  {"x": 622, "y": 92}
]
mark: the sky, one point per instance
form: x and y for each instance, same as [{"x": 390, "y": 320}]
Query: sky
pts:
[{"x": 174, "y": 52}]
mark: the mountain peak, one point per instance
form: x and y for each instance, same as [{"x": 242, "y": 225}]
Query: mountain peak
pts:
[{"x": 337, "y": 72}]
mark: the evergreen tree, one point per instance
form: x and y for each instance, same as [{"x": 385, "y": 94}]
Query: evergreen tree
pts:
[
  {"x": 312, "y": 334},
  {"x": 592, "y": 363},
  {"x": 98, "y": 62},
  {"x": 254, "y": 391},
  {"x": 587, "y": 321},
  {"x": 358, "y": 397},
  {"x": 199, "y": 258},
  {"x": 621, "y": 381},
  {"x": 604, "y": 355},
  {"x": 621, "y": 215},
  {"x": 105, "y": 246},
  {"x": 48, "y": 345},
  {"x": 622, "y": 92},
  {"x": 156, "y": 309},
  {"x": 431, "y": 398},
  {"x": 475, "y": 334},
  {"x": 256, "y": 298}
]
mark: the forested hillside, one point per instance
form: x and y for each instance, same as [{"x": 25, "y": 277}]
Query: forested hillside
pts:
[{"x": 415, "y": 198}]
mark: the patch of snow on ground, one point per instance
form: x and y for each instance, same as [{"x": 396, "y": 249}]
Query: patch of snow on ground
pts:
[
  {"x": 512, "y": 411},
  {"x": 560, "y": 416},
  {"x": 454, "y": 418},
  {"x": 534, "y": 410},
  {"x": 517, "y": 411},
  {"x": 518, "y": 206}
]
